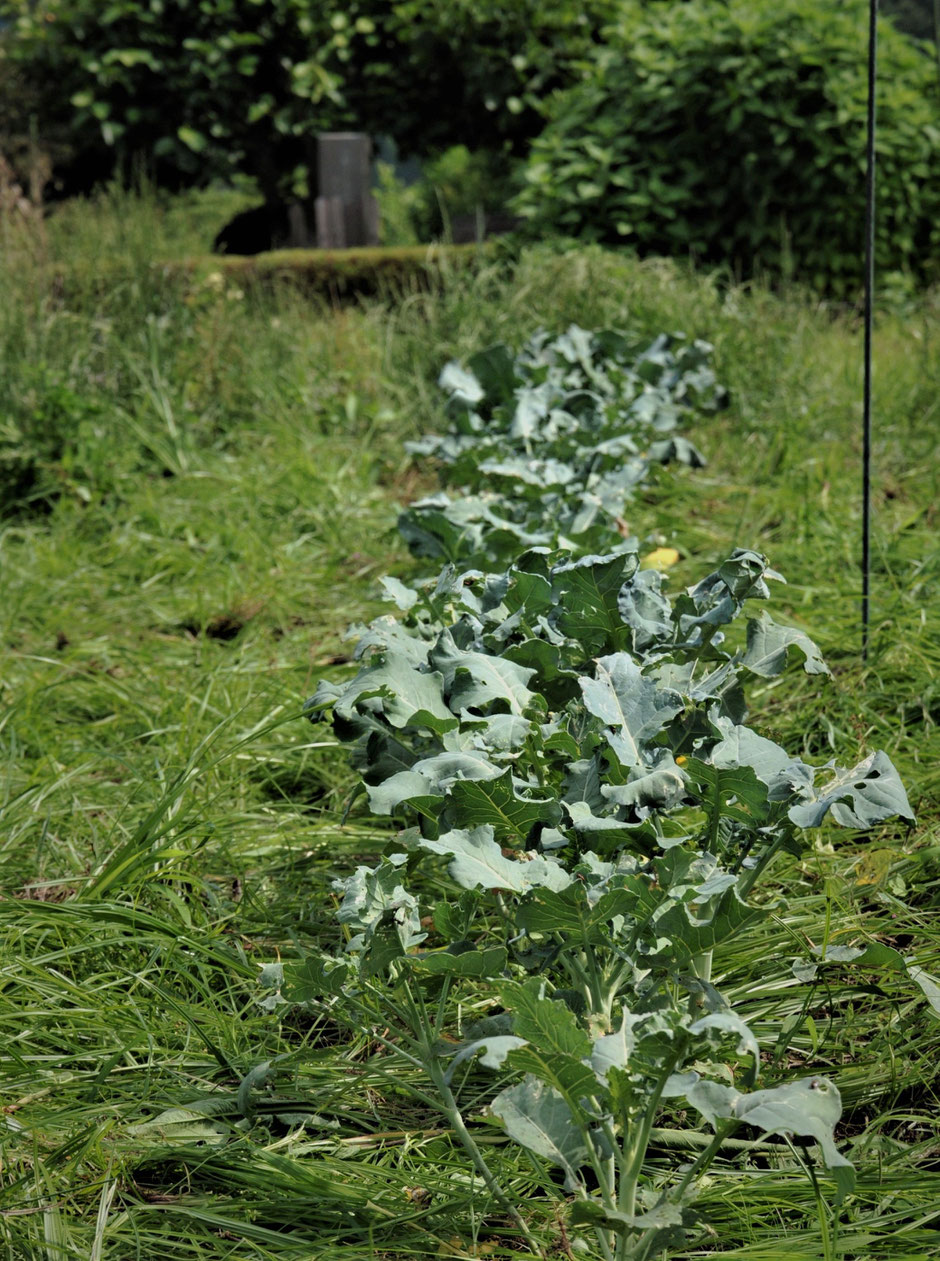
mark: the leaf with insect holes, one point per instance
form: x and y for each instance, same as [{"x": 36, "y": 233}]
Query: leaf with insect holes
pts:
[{"x": 867, "y": 794}]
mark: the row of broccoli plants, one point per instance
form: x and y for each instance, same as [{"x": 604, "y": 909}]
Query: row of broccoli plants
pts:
[
  {"x": 548, "y": 445},
  {"x": 568, "y": 748}
]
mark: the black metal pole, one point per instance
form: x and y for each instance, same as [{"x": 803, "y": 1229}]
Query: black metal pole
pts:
[{"x": 869, "y": 296}]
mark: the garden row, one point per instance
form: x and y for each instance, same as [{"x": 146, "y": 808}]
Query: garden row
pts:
[{"x": 573, "y": 745}]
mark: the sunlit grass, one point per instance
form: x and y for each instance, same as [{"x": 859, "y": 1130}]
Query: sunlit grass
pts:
[{"x": 180, "y": 575}]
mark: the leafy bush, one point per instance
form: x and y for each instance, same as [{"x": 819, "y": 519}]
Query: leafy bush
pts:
[
  {"x": 735, "y": 133},
  {"x": 48, "y": 445},
  {"x": 196, "y": 90},
  {"x": 456, "y": 185}
]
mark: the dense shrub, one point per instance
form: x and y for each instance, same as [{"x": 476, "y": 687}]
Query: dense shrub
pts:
[
  {"x": 201, "y": 89},
  {"x": 735, "y": 133}
]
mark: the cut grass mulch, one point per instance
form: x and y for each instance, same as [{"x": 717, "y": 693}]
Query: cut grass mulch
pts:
[{"x": 179, "y": 568}]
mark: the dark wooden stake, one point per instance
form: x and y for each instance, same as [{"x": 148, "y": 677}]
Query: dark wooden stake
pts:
[{"x": 869, "y": 298}]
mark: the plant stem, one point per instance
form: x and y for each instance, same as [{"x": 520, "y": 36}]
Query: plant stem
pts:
[
  {"x": 633, "y": 1167},
  {"x": 448, "y": 1105}
]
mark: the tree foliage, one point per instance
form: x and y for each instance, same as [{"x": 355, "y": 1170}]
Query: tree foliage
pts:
[
  {"x": 196, "y": 89},
  {"x": 735, "y": 131}
]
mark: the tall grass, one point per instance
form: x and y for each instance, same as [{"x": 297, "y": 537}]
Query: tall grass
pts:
[{"x": 200, "y": 486}]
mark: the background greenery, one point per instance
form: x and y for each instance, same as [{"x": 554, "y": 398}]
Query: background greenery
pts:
[
  {"x": 729, "y": 130},
  {"x": 195, "y": 91},
  {"x": 736, "y": 133},
  {"x": 214, "y": 505}
]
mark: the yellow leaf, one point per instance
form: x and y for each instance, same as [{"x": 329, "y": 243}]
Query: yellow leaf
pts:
[
  {"x": 874, "y": 866},
  {"x": 662, "y": 558}
]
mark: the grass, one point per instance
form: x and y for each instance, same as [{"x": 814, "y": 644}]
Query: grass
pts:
[{"x": 199, "y": 489}]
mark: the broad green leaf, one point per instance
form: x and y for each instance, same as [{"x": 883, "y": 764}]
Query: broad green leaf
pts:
[
  {"x": 615, "y": 1050},
  {"x": 372, "y": 892},
  {"x": 549, "y": 662},
  {"x": 315, "y": 977},
  {"x": 644, "y": 608},
  {"x": 476, "y": 680},
  {"x": 460, "y": 384},
  {"x": 729, "y": 792},
  {"x": 408, "y": 696},
  {"x": 529, "y": 592},
  {"x": 728, "y": 1022},
  {"x": 478, "y": 862},
  {"x": 768, "y": 648},
  {"x": 495, "y": 369},
  {"x": 570, "y": 912},
  {"x": 867, "y": 794},
  {"x": 571, "y": 1077},
  {"x": 537, "y": 1117},
  {"x": 809, "y": 1108},
  {"x": 490, "y": 961},
  {"x": 431, "y": 777},
  {"x": 499, "y": 733},
  {"x": 713, "y": 1099},
  {"x": 404, "y": 597},
  {"x": 496, "y": 802},
  {"x": 549, "y": 1025},
  {"x": 694, "y": 927},
  {"x": 718, "y": 598},
  {"x": 741, "y": 747},
  {"x": 588, "y": 593},
  {"x": 532, "y": 405},
  {"x": 541, "y": 473},
  {"x": 634, "y": 708},
  {"x": 660, "y": 788}
]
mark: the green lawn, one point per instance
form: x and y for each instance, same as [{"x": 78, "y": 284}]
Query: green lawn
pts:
[{"x": 199, "y": 489}]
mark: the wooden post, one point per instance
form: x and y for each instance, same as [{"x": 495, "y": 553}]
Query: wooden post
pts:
[{"x": 346, "y": 212}]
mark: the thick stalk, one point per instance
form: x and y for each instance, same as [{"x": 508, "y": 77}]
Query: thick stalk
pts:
[
  {"x": 644, "y": 1246},
  {"x": 702, "y": 965},
  {"x": 578, "y": 974},
  {"x": 630, "y": 1173}
]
